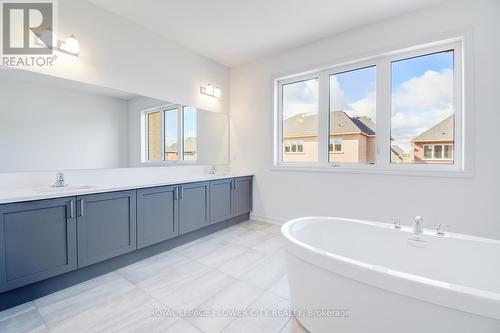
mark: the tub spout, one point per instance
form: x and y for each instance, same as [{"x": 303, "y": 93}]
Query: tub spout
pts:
[{"x": 418, "y": 225}]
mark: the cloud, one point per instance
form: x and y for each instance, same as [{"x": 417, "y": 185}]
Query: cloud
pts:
[
  {"x": 420, "y": 103},
  {"x": 363, "y": 107},
  {"x": 300, "y": 97}
]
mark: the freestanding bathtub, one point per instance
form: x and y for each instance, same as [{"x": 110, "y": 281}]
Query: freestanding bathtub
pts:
[{"x": 359, "y": 276}]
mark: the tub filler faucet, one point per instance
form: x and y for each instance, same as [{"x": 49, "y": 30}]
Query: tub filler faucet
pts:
[{"x": 418, "y": 225}]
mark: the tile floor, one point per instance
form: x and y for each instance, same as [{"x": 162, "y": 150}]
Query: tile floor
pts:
[{"x": 238, "y": 268}]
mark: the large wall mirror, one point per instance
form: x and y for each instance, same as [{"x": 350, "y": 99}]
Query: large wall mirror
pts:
[{"x": 49, "y": 123}]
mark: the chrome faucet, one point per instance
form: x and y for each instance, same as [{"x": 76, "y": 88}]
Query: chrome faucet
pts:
[
  {"x": 59, "y": 180},
  {"x": 418, "y": 225},
  {"x": 213, "y": 170},
  {"x": 396, "y": 223}
]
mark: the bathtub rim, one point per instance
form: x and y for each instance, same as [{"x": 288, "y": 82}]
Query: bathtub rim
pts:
[{"x": 472, "y": 300}]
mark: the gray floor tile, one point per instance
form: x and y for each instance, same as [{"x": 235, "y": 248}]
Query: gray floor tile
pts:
[
  {"x": 239, "y": 265},
  {"x": 267, "y": 273},
  {"x": 293, "y": 326},
  {"x": 57, "y": 307},
  {"x": 269, "y": 313},
  {"x": 236, "y": 296},
  {"x": 22, "y": 319}
]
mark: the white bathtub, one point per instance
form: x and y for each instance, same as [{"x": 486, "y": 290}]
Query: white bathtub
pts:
[{"x": 380, "y": 279}]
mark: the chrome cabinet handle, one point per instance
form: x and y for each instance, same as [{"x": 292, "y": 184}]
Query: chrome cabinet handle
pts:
[
  {"x": 176, "y": 189},
  {"x": 80, "y": 213},
  {"x": 181, "y": 193},
  {"x": 70, "y": 209}
]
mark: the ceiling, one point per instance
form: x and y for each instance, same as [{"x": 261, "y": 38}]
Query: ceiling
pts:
[{"x": 233, "y": 32}]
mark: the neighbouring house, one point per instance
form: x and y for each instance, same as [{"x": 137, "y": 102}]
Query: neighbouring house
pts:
[
  {"x": 172, "y": 151},
  {"x": 352, "y": 139},
  {"x": 397, "y": 154},
  {"x": 436, "y": 144}
]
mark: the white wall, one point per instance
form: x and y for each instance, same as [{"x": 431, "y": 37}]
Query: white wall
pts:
[
  {"x": 44, "y": 127},
  {"x": 469, "y": 205},
  {"x": 117, "y": 53}
]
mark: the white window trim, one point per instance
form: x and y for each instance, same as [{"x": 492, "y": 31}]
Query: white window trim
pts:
[
  {"x": 462, "y": 102},
  {"x": 180, "y": 136}
]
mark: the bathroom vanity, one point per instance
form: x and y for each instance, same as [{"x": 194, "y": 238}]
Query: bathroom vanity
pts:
[
  {"x": 62, "y": 236},
  {"x": 100, "y": 178}
]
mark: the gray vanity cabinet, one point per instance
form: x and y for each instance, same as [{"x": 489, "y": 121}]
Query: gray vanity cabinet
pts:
[
  {"x": 242, "y": 195},
  {"x": 221, "y": 199},
  {"x": 193, "y": 206},
  {"x": 157, "y": 215},
  {"x": 37, "y": 241},
  {"x": 106, "y": 225}
]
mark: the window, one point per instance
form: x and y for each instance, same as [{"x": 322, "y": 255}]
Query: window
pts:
[
  {"x": 171, "y": 135},
  {"x": 294, "y": 146},
  {"x": 335, "y": 145},
  {"x": 167, "y": 132},
  {"x": 396, "y": 111},
  {"x": 352, "y": 115},
  {"x": 189, "y": 133},
  {"x": 300, "y": 120},
  {"x": 422, "y": 105},
  {"x": 438, "y": 152},
  {"x": 154, "y": 136}
]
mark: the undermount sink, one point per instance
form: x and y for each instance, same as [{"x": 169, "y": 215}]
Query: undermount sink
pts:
[{"x": 64, "y": 189}]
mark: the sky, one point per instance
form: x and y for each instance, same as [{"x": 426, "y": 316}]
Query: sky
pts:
[
  {"x": 171, "y": 124},
  {"x": 422, "y": 95}
]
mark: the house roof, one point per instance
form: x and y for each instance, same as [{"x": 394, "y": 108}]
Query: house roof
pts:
[
  {"x": 304, "y": 124},
  {"x": 396, "y": 153},
  {"x": 189, "y": 145},
  {"x": 442, "y": 131}
]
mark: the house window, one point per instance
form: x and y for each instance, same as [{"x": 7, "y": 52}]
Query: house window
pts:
[
  {"x": 335, "y": 145},
  {"x": 167, "y": 132},
  {"x": 300, "y": 105},
  {"x": 448, "y": 152},
  {"x": 428, "y": 152},
  {"x": 422, "y": 104},
  {"x": 352, "y": 115},
  {"x": 296, "y": 146},
  {"x": 396, "y": 111},
  {"x": 438, "y": 152}
]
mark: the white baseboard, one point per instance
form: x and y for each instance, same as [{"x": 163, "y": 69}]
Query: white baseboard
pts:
[{"x": 266, "y": 219}]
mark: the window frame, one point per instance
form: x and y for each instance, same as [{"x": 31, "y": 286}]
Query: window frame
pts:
[
  {"x": 180, "y": 135},
  {"x": 295, "y": 79},
  {"x": 382, "y": 165}
]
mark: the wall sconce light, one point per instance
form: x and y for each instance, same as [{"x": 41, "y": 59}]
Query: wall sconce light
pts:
[
  {"x": 48, "y": 38},
  {"x": 209, "y": 90}
]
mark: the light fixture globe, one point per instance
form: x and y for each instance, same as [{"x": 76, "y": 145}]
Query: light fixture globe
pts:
[{"x": 72, "y": 45}]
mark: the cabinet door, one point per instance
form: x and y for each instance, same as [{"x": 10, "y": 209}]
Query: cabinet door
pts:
[
  {"x": 242, "y": 195},
  {"x": 37, "y": 241},
  {"x": 193, "y": 206},
  {"x": 106, "y": 225},
  {"x": 220, "y": 200},
  {"x": 156, "y": 215}
]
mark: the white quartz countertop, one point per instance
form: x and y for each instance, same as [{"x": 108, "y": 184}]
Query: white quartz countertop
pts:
[{"x": 39, "y": 193}]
